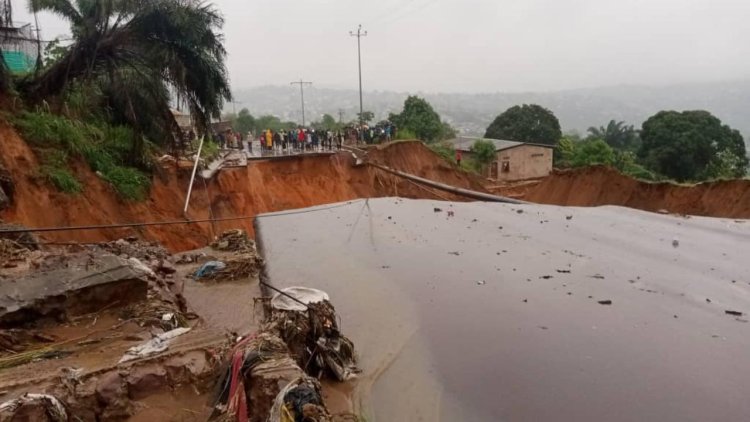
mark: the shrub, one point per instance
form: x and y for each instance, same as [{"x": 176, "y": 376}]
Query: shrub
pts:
[
  {"x": 105, "y": 148},
  {"x": 129, "y": 182},
  {"x": 62, "y": 178},
  {"x": 444, "y": 150}
]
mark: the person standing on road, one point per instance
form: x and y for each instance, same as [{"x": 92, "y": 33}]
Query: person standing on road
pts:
[
  {"x": 269, "y": 140},
  {"x": 276, "y": 141}
]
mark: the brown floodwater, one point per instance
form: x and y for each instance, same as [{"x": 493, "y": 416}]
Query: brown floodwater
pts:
[{"x": 495, "y": 314}]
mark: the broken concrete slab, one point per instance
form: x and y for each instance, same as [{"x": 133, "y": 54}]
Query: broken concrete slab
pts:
[
  {"x": 439, "y": 348},
  {"x": 82, "y": 288}
]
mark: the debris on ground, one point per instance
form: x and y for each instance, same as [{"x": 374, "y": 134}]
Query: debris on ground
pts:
[
  {"x": 234, "y": 240},
  {"x": 273, "y": 376},
  {"x": 313, "y": 335},
  {"x": 156, "y": 345},
  {"x": 34, "y": 407},
  {"x": 605, "y": 302},
  {"x": 300, "y": 401},
  {"x": 94, "y": 328},
  {"x": 11, "y": 252},
  {"x": 243, "y": 262}
]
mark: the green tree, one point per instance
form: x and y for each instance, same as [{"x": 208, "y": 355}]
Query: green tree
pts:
[
  {"x": 618, "y": 135},
  {"x": 526, "y": 123},
  {"x": 687, "y": 145},
  {"x": 592, "y": 152},
  {"x": 140, "y": 53},
  {"x": 366, "y": 116},
  {"x": 326, "y": 123},
  {"x": 483, "y": 153},
  {"x": 727, "y": 165},
  {"x": 272, "y": 122},
  {"x": 574, "y": 152},
  {"x": 244, "y": 122},
  {"x": 419, "y": 118}
]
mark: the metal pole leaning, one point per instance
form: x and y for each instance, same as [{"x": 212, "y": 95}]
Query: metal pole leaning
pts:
[{"x": 192, "y": 177}]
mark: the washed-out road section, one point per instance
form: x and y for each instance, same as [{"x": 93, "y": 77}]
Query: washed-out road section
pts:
[{"x": 479, "y": 312}]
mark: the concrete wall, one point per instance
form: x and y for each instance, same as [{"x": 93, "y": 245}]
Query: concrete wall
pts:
[{"x": 523, "y": 162}]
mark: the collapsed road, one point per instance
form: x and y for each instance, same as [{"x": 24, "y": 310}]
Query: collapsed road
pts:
[{"x": 479, "y": 311}]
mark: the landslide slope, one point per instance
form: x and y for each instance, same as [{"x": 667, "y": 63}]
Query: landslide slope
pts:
[
  {"x": 262, "y": 186},
  {"x": 594, "y": 186}
]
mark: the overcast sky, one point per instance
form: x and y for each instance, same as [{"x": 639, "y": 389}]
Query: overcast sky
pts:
[{"x": 479, "y": 45}]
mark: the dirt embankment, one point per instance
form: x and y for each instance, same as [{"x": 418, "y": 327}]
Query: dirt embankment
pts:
[
  {"x": 594, "y": 186},
  {"x": 264, "y": 186}
]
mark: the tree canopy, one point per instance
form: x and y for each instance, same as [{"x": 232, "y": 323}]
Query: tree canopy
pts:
[
  {"x": 327, "y": 122},
  {"x": 137, "y": 53},
  {"x": 419, "y": 118},
  {"x": 366, "y": 116},
  {"x": 616, "y": 134},
  {"x": 526, "y": 123},
  {"x": 244, "y": 122},
  {"x": 691, "y": 145}
]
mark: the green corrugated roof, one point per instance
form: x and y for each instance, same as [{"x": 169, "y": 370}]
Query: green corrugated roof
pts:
[{"x": 18, "y": 62}]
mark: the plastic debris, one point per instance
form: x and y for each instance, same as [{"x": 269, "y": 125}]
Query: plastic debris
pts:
[
  {"x": 305, "y": 295},
  {"x": 53, "y": 407},
  {"x": 156, "y": 345},
  {"x": 209, "y": 268}
]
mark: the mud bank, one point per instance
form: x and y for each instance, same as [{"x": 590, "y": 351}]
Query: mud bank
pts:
[
  {"x": 528, "y": 312},
  {"x": 600, "y": 185},
  {"x": 262, "y": 186}
]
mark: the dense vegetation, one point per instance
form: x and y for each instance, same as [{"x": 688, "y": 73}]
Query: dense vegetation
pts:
[
  {"x": 106, "y": 95},
  {"x": 420, "y": 120},
  {"x": 526, "y": 123},
  {"x": 686, "y": 146},
  {"x": 692, "y": 145}
]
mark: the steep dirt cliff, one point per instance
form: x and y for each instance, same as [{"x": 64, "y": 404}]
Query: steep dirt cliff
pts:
[
  {"x": 600, "y": 185},
  {"x": 262, "y": 186}
]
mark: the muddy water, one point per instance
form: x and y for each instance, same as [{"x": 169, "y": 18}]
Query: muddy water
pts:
[{"x": 494, "y": 314}]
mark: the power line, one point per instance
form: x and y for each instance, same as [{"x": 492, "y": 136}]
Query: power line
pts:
[
  {"x": 359, "y": 34},
  {"x": 302, "y": 96}
]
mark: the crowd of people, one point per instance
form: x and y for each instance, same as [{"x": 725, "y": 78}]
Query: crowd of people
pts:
[{"x": 302, "y": 140}]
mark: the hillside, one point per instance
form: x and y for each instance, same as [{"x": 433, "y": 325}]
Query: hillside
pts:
[{"x": 577, "y": 109}]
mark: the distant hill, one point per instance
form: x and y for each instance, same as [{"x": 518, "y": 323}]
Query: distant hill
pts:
[{"x": 577, "y": 109}]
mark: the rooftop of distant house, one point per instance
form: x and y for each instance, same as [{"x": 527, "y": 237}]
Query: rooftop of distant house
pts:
[{"x": 464, "y": 143}]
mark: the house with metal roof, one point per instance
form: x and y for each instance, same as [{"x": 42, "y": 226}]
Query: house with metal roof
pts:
[{"x": 513, "y": 160}]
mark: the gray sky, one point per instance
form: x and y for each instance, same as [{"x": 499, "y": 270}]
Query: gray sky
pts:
[{"x": 480, "y": 45}]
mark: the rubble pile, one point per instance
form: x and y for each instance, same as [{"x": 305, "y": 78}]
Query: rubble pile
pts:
[
  {"x": 273, "y": 376},
  {"x": 102, "y": 327},
  {"x": 11, "y": 252},
  {"x": 131, "y": 247},
  {"x": 26, "y": 240},
  {"x": 243, "y": 262}
]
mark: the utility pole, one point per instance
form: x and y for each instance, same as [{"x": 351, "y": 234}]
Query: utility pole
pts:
[
  {"x": 302, "y": 96},
  {"x": 341, "y": 116},
  {"x": 359, "y": 34}
]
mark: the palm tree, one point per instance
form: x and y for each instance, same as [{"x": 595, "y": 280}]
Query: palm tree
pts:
[
  {"x": 137, "y": 51},
  {"x": 616, "y": 134}
]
